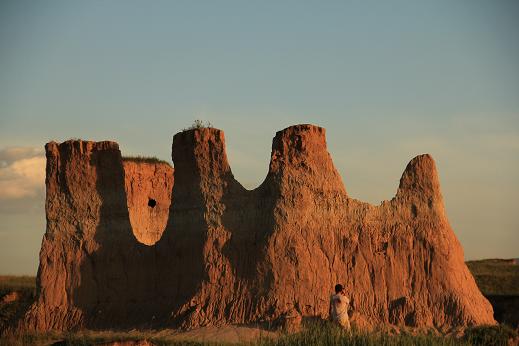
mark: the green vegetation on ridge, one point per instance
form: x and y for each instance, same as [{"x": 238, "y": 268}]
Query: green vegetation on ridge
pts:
[{"x": 145, "y": 159}]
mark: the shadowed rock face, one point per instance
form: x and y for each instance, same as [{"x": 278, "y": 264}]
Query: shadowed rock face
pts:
[{"x": 229, "y": 255}]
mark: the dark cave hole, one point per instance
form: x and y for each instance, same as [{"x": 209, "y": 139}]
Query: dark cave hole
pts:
[
  {"x": 152, "y": 203},
  {"x": 414, "y": 211}
]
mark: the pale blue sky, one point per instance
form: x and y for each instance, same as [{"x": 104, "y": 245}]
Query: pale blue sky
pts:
[{"x": 388, "y": 80}]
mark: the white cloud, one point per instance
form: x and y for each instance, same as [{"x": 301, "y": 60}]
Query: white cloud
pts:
[
  {"x": 10, "y": 154},
  {"x": 22, "y": 172}
]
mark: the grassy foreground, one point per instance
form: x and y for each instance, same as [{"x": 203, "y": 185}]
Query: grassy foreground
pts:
[
  {"x": 328, "y": 334},
  {"x": 324, "y": 334},
  {"x": 495, "y": 278}
]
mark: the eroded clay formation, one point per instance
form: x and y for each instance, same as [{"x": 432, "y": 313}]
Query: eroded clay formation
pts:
[
  {"x": 229, "y": 255},
  {"x": 148, "y": 189}
]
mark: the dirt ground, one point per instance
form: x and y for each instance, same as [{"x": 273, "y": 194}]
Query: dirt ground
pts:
[{"x": 225, "y": 334}]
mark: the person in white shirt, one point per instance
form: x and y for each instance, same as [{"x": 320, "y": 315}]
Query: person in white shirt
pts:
[{"x": 339, "y": 307}]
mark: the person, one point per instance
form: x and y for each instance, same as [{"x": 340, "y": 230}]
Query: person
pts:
[{"x": 339, "y": 307}]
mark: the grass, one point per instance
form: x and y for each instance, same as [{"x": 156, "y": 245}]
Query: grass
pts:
[
  {"x": 325, "y": 333},
  {"x": 11, "y": 282},
  {"x": 24, "y": 288},
  {"x": 145, "y": 159},
  {"x": 28, "y": 338},
  {"x": 320, "y": 334},
  {"x": 496, "y": 276},
  {"x": 498, "y": 280},
  {"x": 490, "y": 335}
]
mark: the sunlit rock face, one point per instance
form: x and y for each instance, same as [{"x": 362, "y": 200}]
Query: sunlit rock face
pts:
[
  {"x": 148, "y": 189},
  {"x": 229, "y": 255}
]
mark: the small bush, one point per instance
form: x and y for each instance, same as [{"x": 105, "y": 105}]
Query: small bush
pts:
[
  {"x": 198, "y": 124},
  {"x": 489, "y": 335}
]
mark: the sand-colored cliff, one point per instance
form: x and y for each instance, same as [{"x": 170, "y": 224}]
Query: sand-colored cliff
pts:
[{"x": 229, "y": 255}]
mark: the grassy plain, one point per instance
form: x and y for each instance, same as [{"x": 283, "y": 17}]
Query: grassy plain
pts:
[
  {"x": 16, "y": 294},
  {"x": 496, "y": 276}
]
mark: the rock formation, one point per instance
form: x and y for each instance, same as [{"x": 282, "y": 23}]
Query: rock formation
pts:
[
  {"x": 148, "y": 189},
  {"x": 229, "y": 255}
]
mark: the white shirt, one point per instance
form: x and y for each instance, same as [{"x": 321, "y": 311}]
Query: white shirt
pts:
[{"x": 339, "y": 307}]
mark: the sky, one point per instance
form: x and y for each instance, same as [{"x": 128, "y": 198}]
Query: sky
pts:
[{"x": 388, "y": 81}]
